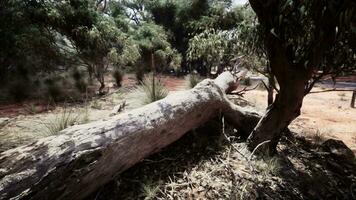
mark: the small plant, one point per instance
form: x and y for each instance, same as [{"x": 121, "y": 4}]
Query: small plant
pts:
[
  {"x": 194, "y": 79},
  {"x": 96, "y": 105},
  {"x": 31, "y": 108},
  {"x": 64, "y": 119},
  {"x": 149, "y": 190},
  {"x": 86, "y": 115},
  {"x": 152, "y": 89},
  {"x": 342, "y": 94},
  {"x": 270, "y": 165},
  {"x": 118, "y": 76},
  {"x": 317, "y": 137}
]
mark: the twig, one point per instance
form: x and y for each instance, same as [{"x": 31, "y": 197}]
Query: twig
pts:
[
  {"x": 258, "y": 146},
  {"x": 245, "y": 89}
]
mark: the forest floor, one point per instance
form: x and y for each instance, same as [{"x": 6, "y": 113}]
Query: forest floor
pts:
[{"x": 207, "y": 165}]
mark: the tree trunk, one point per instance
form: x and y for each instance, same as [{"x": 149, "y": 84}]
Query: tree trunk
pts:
[
  {"x": 80, "y": 159},
  {"x": 99, "y": 73},
  {"x": 278, "y": 116},
  {"x": 353, "y": 99}
]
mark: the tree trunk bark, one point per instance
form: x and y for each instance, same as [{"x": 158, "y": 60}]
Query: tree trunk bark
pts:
[
  {"x": 353, "y": 99},
  {"x": 99, "y": 71},
  {"x": 278, "y": 116},
  {"x": 80, "y": 159}
]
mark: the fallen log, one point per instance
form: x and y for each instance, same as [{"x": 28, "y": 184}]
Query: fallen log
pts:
[{"x": 80, "y": 159}]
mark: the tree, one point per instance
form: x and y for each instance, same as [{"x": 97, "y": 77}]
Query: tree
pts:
[
  {"x": 301, "y": 38},
  {"x": 93, "y": 34},
  {"x": 156, "y": 52},
  {"x": 48, "y": 36},
  {"x": 209, "y": 49},
  {"x": 183, "y": 19},
  {"x": 28, "y": 46}
]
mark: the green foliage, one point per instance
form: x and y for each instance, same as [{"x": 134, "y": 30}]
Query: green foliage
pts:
[
  {"x": 152, "y": 41},
  {"x": 152, "y": 89},
  {"x": 19, "y": 90},
  {"x": 209, "y": 46},
  {"x": 314, "y": 35},
  {"x": 79, "y": 82},
  {"x": 193, "y": 79},
  {"x": 184, "y": 19}
]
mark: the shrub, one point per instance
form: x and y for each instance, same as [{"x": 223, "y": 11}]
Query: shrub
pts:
[
  {"x": 19, "y": 90},
  {"x": 81, "y": 85},
  {"x": 79, "y": 82},
  {"x": 139, "y": 75},
  {"x": 194, "y": 79},
  {"x": 153, "y": 90},
  {"x": 118, "y": 76},
  {"x": 53, "y": 89}
]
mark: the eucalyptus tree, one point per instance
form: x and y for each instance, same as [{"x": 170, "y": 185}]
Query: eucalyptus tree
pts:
[
  {"x": 183, "y": 20},
  {"x": 150, "y": 39},
  {"x": 301, "y": 38}
]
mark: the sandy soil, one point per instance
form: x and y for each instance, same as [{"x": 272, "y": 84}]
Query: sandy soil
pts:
[
  {"x": 23, "y": 126},
  {"x": 325, "y": 115}
]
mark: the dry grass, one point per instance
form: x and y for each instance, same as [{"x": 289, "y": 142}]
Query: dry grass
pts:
[
  {"x": 151, "y": 90},
  {"x": 198, "y": 166},
  {"x": 65, "y": 118},
  {"x": 316, "y": 136}
]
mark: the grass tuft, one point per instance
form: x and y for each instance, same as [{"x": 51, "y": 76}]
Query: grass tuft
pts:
[
  {"x": 193, "y": 79},
  {"x": 152, "y": 90},
  {"x": 67, "y": 117}
]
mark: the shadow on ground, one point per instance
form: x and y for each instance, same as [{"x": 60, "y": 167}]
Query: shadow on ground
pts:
[{"x": 186, "y": 170}]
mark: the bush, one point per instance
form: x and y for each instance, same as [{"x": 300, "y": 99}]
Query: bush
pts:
[
  {"x": 152, "y": 92},
  {"x": 118, "y": 75},
  {"x": 19, "y": 90},
  {"x": 139, "y": 75},
  {"x": 79, "y": 82},
  {"x": 81, "y": 86},
  {"x": 53, "y": 89},
  {"x": 194, "y": 79}
]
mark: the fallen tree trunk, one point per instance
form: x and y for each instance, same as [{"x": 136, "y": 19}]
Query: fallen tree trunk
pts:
[{"x": 82, "y": 158}]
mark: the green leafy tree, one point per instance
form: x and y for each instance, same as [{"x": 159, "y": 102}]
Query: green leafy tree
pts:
[
  {"x": 183, "y": 19},
  {"x": 155, "y": 50},
  {"x": 209, "y": 47},
  {"x": 301, "y": 38}
]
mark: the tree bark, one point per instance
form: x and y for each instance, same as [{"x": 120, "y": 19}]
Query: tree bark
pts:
[
  {"x": 80, "y": 159},
  {"x": 353, "y": 99},
  {"x": 278, "y": 116}
]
